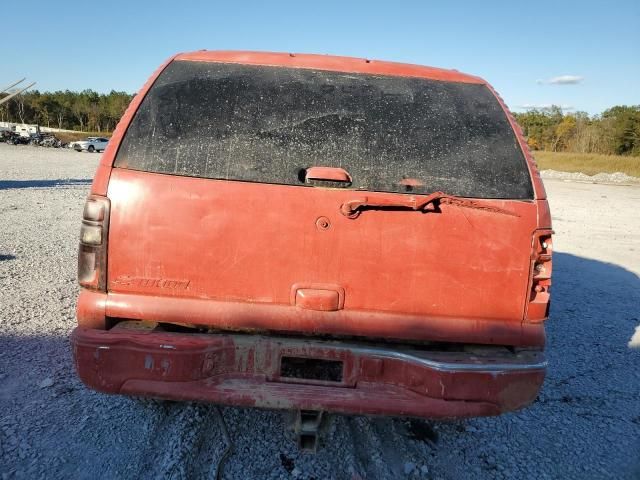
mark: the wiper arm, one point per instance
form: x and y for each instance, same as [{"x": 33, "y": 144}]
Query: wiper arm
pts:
[{"x": 353, "y": 208}]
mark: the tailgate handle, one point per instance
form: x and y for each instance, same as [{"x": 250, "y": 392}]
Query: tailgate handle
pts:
[
  {"x": 318, "y": 299},
  {"x": 331, "y": 174}
]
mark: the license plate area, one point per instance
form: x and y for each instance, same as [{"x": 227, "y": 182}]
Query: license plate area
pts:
[
  {"x": 311, "y": 369},
  {"x": 300, "y": 362}
]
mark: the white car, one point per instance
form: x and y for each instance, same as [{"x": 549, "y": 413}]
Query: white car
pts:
[{"x": 91, "y": 144}]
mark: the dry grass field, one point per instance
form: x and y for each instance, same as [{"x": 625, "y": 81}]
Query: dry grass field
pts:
[{"x": 588, "y": 163}]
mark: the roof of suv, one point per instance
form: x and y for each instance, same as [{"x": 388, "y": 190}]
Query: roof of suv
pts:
[{"x": 329, "y": 62}]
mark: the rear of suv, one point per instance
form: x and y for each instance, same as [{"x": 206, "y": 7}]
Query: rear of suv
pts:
[{"x": 317, "y": 233}]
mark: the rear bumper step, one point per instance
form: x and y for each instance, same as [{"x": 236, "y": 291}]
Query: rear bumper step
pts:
[{"x": 250, "y": 370}]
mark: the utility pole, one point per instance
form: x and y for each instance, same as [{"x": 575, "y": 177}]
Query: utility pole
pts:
[
  {"x": 11, "y": 95},
  {"x": 6, "y": 89}
]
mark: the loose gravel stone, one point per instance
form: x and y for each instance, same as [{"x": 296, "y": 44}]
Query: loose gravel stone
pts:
[
  {"x": 47, "y": 382},
  {"x": 409, "y": 467}
]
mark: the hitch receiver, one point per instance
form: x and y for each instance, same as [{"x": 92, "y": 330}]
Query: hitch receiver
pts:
[{"x": 307, "y": 429}]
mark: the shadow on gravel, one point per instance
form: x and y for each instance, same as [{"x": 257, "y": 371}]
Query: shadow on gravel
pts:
[
  {"x": 587, "y": 271},
  {"x": 67, "y": 182},
  {"x": 606, "y": 294},
  {"x": 6, "y": 257},
  {"x": 51, "y": 425}
]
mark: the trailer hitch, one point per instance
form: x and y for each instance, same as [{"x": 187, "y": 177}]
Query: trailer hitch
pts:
[{"x": 307, "y": 427}]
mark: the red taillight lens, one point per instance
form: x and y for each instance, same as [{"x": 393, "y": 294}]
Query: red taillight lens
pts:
[
  {"x": 92, "y": 255},
  {"x": 541, "y": 266}
]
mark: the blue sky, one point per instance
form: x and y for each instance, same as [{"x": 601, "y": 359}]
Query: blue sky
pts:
[{"x": 519, "y": 47}]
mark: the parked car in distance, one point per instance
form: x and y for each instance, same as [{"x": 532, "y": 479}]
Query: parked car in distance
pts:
[
  {"x": 91, "y": 144},
  {"x": 320, "y": 234},
  {"x": 13, "y": 138}
]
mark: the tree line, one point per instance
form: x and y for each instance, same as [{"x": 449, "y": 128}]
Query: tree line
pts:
[
  {"x": 616, "y": 131},
  {"x": 85, "y": 111}
]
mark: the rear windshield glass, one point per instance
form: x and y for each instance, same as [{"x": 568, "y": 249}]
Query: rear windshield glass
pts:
[{"x": 269, "y": 124}]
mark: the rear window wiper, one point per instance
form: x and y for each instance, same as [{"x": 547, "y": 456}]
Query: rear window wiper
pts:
[{"x": 428, "y": 203}]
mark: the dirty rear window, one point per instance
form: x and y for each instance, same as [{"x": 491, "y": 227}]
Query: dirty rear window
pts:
[{"x": 269, "y": 124}]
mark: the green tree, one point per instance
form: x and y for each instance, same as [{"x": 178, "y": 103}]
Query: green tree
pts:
[{"x": 624, "y": 129}]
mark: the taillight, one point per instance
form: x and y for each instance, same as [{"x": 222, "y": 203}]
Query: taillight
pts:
[
  {"x": 540, "y": 283},
  {"x": 92, "y": 254}
]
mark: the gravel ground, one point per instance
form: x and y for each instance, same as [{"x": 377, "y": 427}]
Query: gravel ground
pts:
[{"x": 585, "y": 424}]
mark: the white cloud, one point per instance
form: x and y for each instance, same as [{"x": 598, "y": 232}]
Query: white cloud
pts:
[
  {"x": 562, "y": 80},
  {"x": 566, "y": 80},
  {"x": 543, "y": 106}
]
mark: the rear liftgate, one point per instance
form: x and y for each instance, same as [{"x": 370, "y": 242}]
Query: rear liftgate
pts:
[{"x": 367, "y": 263}]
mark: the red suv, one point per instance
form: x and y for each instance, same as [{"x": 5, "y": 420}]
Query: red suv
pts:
[{"x": 316, "y": 233}]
